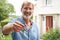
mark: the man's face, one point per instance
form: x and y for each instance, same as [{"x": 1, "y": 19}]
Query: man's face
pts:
[{"x": 27, "y": 10}]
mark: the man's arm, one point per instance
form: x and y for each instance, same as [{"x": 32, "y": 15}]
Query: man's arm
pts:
[{"x": 16, "y": 26}]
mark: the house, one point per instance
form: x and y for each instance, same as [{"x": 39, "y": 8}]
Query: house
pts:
[{"x": 47, "y": 15}]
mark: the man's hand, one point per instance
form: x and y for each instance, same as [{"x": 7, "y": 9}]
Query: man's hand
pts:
[{"x": 18, "y": 26}]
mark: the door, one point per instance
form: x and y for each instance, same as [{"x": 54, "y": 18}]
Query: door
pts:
[{"x": 49, "y": 22}]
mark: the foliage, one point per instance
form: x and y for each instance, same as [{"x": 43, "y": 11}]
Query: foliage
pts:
[
  {"x": 5, "y": 9},
  {"x": 32, "y": 17},
  {"x": 3, "y": 23},
  {"x": 3, "y": 37},
  {"x": 52, "y": 35}
]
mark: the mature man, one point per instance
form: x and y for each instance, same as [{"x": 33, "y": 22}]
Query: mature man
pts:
[{"x": 23, "y": 28}]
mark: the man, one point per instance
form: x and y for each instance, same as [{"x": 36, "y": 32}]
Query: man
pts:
[{"x": 23, "y": 28}]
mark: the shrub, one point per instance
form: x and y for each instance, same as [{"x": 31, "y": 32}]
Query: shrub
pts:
[
  {"x": 52, "y": 35},
  {"x": 3, "y": 23}
]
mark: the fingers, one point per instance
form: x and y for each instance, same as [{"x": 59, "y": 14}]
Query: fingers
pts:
[
  {"x": 19, "y": 23},
  {"x": 17, "y": 29},
  {"x": 18, "y": 26}
]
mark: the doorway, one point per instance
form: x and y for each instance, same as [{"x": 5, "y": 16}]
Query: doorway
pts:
[{"x": 49, "y": 22}]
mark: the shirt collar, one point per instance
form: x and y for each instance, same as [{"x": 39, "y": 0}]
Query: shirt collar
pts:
[
  {"x": 25, "y": 25},
  {"x": 24, "y": 21}
]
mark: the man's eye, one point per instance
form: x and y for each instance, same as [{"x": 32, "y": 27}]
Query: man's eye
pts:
[
  {"x": 30, "y": 8},
  {"x": 25, "y": 8}
]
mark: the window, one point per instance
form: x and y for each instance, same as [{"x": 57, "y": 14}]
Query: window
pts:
[{"x": 46, "y": 2}]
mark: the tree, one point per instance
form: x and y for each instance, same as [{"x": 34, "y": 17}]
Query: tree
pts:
[{"x": 5, "y": 9}]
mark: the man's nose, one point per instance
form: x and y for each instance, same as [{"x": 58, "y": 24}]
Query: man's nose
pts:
[{"x": 28, "y": 10}]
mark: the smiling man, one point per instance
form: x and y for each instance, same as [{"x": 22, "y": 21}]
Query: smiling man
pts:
[{"x": 23, "y": 28}]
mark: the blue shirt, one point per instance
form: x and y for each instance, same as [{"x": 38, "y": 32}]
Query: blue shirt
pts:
[{"x": 32, "y": 34}]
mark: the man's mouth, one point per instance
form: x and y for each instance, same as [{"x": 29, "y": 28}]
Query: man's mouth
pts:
[{"x": 27, "y": 16}]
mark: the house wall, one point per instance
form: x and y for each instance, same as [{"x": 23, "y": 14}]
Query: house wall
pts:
[
  {"x": 53, "y": 8},
  {"x": 58, "y": 20}
]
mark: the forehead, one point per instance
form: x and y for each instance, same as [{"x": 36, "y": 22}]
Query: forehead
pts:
[{"x": 27, "y": 4}]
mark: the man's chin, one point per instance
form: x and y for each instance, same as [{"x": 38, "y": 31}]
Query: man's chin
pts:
[{"x": 27, "y": 17}]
